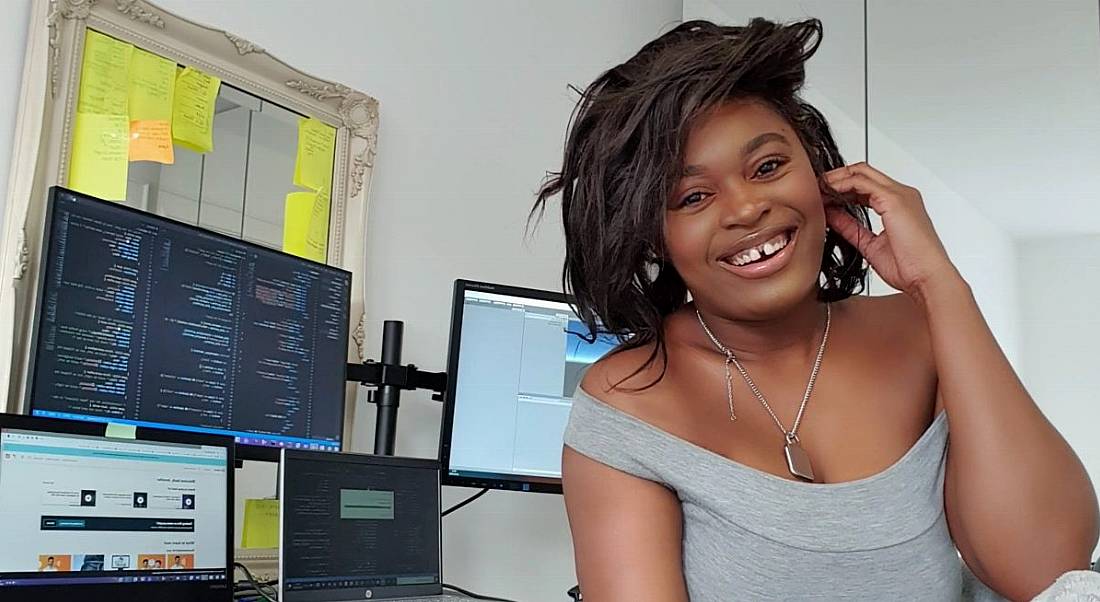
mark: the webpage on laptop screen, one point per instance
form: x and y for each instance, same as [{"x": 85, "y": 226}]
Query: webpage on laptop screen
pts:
[{"x": 94, "y": 509}]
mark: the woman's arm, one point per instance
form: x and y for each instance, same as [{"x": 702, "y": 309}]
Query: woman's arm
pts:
[
  {"x": 1019, "y": 503},
  {"x": 626, "y": 533}
]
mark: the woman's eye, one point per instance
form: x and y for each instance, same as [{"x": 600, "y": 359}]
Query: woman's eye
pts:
[
  {"x": 691, "y": 199},
  {"x": 769, "y": 166}
]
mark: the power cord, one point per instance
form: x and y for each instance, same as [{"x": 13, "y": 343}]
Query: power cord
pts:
[
  {"x": 470, "y": 594},
  {"x": 464, "y": 502},
  {"x": 257, "y": 586}
]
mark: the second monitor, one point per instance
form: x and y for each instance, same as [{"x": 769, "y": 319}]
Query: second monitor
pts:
[{"x": 517, "y": 356}]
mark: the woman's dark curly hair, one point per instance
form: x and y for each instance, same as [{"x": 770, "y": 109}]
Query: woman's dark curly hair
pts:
[{"x": 624, "y": 155}]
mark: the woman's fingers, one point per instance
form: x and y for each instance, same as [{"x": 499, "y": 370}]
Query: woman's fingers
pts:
[{"x": 858, "y": 235}]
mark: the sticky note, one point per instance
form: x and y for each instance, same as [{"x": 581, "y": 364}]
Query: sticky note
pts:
[
  {"x": 104, "y": 75},
  {"x": 296, "y": 218},
  {"x": 152, "y": 85},
  {"x": 151, "y": 140},
  {"x": 314, "y": 160},
  {"x": 193, "y": 110},
  {"x": 121, "y": 431},
  {"x": 317, "y": 234},
  {"x": 261, "y": 524},
  {"x": 100, "y": 155}
]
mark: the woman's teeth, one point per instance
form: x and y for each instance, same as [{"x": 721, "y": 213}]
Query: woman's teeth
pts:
[{"x": 767, "y": 249}]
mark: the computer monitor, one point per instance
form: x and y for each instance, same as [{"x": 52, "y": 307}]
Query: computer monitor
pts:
[
  {"x": 358, "y": 527},
  {"x": 516, "y": 358},
  {"x": 89, "y": 517},
  {"x": 147, "y": 321}
]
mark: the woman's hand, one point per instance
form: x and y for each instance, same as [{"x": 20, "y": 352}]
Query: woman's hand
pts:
[{"x": 908, "y": 254}]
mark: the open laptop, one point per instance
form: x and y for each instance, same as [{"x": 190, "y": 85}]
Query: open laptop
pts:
[
  {"x": 359, "y": 527},
  {"x": 89, "y": 517}
]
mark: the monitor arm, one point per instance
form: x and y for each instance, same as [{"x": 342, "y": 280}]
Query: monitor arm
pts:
[{"x": 390, "y": 378}]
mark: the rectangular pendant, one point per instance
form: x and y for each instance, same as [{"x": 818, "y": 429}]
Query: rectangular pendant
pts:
[{"x": 798, "y": 461}]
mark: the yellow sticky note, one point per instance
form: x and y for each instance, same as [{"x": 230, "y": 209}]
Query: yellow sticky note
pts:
[
  {"x": 104, "y": 75},
  {"x": 152, "y": 85},
  {"x": 193, "y": 110},
  {"x": 121, "y": 431},
  {"x": 296, "y": 219},
  {"x": 261, "y": 524},
  {"x": 316, "y": 146},
  {"x": 100, "y": 155},
  {"x": 317, "y": 234},
  {"x": 151, "y": 140}
]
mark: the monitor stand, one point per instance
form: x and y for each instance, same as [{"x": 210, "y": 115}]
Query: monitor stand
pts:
[{"x": 390, "y": 378}]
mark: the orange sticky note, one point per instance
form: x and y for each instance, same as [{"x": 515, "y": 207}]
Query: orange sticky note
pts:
[{"x": 151, "y": 140}]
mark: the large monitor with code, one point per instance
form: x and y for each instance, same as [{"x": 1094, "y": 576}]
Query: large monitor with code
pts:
[
  {"x": 517, "y": 356},
  {"x": 146, "y": 321},
  {"x": 84, "y": 516}
]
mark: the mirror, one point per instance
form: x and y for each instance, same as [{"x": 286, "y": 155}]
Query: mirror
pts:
[
  {"x": 221, "y": 135},
  {"x": 253, "y": 137}
]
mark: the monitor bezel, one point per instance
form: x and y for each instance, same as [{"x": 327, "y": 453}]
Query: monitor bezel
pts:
[
  {"x": 265, "y": 453},
  {"x": 288, "y": 457},
  {"x": 163, "y": 591},
  {"x": 526, "y": 483}
]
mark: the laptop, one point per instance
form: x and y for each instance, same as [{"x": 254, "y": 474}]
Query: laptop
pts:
[
  {"x": 87, "y": 517},
  {"x": 359, "y": 527}
]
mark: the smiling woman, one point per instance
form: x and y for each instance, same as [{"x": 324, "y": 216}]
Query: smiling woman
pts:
[{"x": 709, "y": 215}]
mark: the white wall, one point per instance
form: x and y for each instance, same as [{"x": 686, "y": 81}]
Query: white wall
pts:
[
  {"x": 1059, "y": 283},
  {"x": 836, "y": 85},
  {"x": 13, "y": 40},
  {"x": 474, "y": 109}
]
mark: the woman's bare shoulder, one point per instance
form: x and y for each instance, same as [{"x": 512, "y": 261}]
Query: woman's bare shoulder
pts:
[
  {"x": 622, "y": 379},
  {"x": 891, "y": 326}
]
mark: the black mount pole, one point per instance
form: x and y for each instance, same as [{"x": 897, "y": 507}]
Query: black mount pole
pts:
[{"x": 391, "y": 378}]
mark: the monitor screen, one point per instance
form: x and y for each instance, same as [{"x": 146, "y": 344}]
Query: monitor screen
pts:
[
  {"x": 147, "y": 321},
  {"x": 97, "y": 512},
  {"x": 356, "y": 527},
  {"x": 516, "y": 358}
]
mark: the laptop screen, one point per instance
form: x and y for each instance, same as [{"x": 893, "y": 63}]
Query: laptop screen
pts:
[
  {"x": 91, "y": 510},
  {"x": 358, "y": 527}
]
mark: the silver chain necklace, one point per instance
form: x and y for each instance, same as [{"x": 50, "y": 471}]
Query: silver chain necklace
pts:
[{"x": 798, "y": 461}]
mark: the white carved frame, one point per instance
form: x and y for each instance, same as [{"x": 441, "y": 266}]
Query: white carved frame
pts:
[{"x": 43, "y": 135}]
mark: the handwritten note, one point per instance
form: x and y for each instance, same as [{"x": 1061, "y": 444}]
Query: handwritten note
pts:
[
  {"x": 305, "y": 224},
  {"x": 99, "y": 160},
  {"x": 152, "y": 86},
  {"x": 261, "y": 524},
  {"x": 316, "y": 146},
  {"x": 193, "y": 110},
  {"x": 317, "y": 234},
  {"x": 104, "y": 75},
  {"x": 296, "y": 214},
  {"x": 151, "y": 140}
]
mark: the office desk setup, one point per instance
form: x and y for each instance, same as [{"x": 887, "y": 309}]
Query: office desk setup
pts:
[{"x": 164, "y": 355}]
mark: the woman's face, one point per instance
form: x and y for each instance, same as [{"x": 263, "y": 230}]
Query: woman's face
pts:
[{"x": 745, "y": 227}]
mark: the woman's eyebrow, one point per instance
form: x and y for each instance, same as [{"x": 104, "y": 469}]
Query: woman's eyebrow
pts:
[{"x": 748, "y": 148}]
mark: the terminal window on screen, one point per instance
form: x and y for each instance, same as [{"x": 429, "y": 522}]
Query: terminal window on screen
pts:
[
  {"x": 519, "y": 367},
  {"x": 78, "y": 503}
]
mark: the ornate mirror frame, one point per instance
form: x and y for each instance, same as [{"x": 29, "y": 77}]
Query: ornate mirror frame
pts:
[{"x": 43, "y": 137}]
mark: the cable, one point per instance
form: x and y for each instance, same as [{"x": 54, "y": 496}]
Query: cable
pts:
[
  {"x": 464, "y": 502},
  {"x": 252, "y": 581},
  {"x": 471, "y": 594}
]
